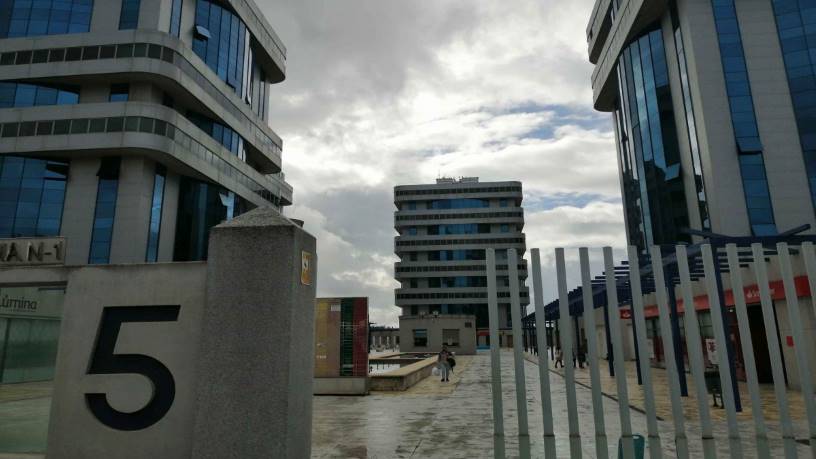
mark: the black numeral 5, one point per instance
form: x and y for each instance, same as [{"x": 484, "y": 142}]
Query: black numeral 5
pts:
[{"x": 104, "y": 361}]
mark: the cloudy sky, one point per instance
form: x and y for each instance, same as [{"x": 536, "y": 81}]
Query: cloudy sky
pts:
[{"x": 387, "y": 92}]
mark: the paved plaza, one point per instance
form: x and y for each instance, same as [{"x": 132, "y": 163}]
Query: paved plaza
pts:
[
  {"x": 445, "y": 420},
  {"x": 454, "y": 420}
]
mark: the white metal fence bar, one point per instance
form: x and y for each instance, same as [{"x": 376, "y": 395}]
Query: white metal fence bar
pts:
[
  {"x": 762, "y": 448},
  {"x": 735, "y": 445},
  {"x": 769, "y": 319},
  {"x": 518, "y": 344},
  {"x": 565, "y": 333},
  {"x": 613, "y": 313},
  {"x": 695, "y": 353},
  {"x": 495, "y": 362},
  {"x": 601, "y": 448},
  {"x": 655, "y": 448},
  {"x": 680, "y": 439},
  {"x": 543, "y": 361},
  {"x": 801, "y": 351}
]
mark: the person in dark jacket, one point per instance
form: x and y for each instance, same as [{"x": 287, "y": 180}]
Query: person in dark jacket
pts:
[{"x": 443, "y": 364}]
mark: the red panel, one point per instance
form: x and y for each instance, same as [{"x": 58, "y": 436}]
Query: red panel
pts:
[{"x": 777, "y": 289}]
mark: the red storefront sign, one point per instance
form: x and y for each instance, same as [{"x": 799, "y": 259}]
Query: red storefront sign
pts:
[{"x": 777, "y": 290}]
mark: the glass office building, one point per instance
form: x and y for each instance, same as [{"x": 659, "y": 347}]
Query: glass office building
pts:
[
  {"x": 444, "y": 229},
  {"x": 704, "y": 141},
  {"x": 713, "y": 108},
  {"x": 128, "y": 129}
]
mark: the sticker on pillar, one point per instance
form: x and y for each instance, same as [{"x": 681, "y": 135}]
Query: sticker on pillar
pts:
[{"x": 305, "y": 268}]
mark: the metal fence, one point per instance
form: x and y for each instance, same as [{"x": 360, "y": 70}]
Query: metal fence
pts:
[{"x": 666, "y": 276}]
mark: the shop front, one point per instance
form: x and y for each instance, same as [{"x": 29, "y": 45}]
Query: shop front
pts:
[{"x": 756, "y": 325}]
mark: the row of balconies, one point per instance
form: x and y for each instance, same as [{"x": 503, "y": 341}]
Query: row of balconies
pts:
[
  {"x": 138, "y": 52},
  {"x": 135, "y": 128}
]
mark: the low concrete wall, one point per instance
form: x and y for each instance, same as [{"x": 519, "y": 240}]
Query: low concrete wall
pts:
[
  {"x": 403, "y": 378},
  {"x": 347, "y": 385}
]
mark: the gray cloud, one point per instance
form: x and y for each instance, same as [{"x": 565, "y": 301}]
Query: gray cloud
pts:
[{"x": 387, "y": 92}]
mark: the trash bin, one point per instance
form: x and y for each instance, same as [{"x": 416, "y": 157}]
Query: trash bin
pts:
[
  {"x": 714, "y": 385},
  {"x": 638, "y": 444}
]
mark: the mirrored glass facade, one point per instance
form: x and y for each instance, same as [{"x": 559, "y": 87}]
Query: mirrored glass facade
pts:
[
  {"x": 655, "y": 199},
  {"x": 32, "y": 195},
  {"x": 30, "y": 95},
  {"x": 27, "y": 18},
  {"x": 201, "y": 206},
  {"x": 175, "y": 18},
  {"x": 129, "y": 16},
  {"x": 796, "y": 24},
  {"x": 743, "y": 119},
  {"x": 221, "y": 133},
  {"x": 156, "y": 205},
  {"x": 106, "y": 193},
  {"x": 222, "y": 41}
]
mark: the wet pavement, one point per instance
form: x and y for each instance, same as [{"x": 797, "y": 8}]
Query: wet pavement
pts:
[
  {"x": 454, "y": 420},
  {"x": 24, "y": 410}
]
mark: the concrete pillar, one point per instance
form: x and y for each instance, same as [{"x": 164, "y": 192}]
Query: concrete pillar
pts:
[
  {"x": 256, "y": 358},
  {"x": 133, "y": 201},
  {"x": 78, "y": 211}
]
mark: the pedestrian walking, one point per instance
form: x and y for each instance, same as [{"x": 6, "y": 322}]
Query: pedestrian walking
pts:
[
  {"x": 443, "y": 364},
  {"x": 559, "y": 357}
]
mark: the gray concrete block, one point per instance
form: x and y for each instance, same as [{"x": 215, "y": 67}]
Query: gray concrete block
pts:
[{"x": 256, "y": 356}]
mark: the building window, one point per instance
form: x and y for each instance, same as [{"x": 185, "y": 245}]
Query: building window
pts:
[
  {"x": 201, "y": 206},
  {"x": 119, "y": 93},
  {"x": 29, "y": 95},
  {"x": 156, "y": 215},
  {"x": 420, "y": 337},
  {"x": 27, "y": 18},
  {"x": 414, "y": 310},
  {"x": 32, "y": 194},
  {"x": 463, "y": 203},
  {"x": 450, "y": 337},
  {"x": 412, "y": 231},
  {"x": 654, "y": 192},
  {"x": 743, "y": 119},
  {"x": 502, "y": 202},
  {"x": 222, "y": 41},
  {"x": 129, "y": 16},
  {"x": 106, "y": 192},
  {"x": 411, "y": 206},
  {"x": 175, "y": 18},
  {"x": 505, "y": 228},
  {"x": 412, "y": 256},
  {"x": 221, "y": 133}
]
